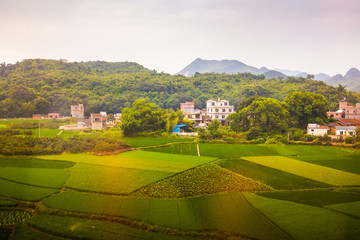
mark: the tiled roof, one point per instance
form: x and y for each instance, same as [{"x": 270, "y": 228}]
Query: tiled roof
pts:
[{"x": 349, "y": 121}]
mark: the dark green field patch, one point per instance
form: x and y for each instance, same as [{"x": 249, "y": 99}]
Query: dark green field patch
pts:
[
  {"x": 270, "y": 176},
  {"x": 303, "y": 221},
  {"x": 42, "y": 177},
  {"x": 344, "y": 164},
  {"x": 219, "y": 150},
  {"x": 33, "y": 163},
  {"x": 22, "y": 232},
  {"x": 80, "y": 228},
  {"x": 146, "y": 141},
  {"x": 24, "y": 192},
  {"x": 7, "y": 203},
  {"x": 199, "y": 213},
  {"x": 316, "y": 197}
]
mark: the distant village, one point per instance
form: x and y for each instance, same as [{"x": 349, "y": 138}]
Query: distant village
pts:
[{"x": 347, "y": 118}]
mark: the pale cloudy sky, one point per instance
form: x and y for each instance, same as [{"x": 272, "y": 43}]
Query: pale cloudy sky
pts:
[{"x": 166, "y": 35}]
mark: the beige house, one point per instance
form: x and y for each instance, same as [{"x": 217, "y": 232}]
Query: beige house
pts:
[
  {"x": 98, "y": 122},
  {"x": 317, "y": 130}
]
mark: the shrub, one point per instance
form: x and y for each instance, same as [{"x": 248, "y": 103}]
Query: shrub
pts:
[
  {"x": 277, "y": 139},
  {"x": 349, "y": 140},
  {"x": 309, "y": 137}
]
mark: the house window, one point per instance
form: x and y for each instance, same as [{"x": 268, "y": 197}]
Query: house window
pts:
[
  {"x": 225, "y": 103},
  {"x": 223, "y": 110},
  {"x": 216, "y": 116},
  {"x": 213, "y": 104},
  {"x": 216, "y": 110},
  {"x": 230, "y": 110},
  {"x": 341, "y": 133},
  {"x": 312, "y": 130},
  {"x": 223, "y": 116}
]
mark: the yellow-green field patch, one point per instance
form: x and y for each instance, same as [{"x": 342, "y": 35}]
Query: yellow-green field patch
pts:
[
  {"x": 112, "y": 180},
  {"x": 308, "y": 170},
  {"x": 352, "y": 208},
  {"x": 145, "y": 160}
]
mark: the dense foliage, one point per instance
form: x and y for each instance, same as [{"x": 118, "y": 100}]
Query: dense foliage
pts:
[
  {"x": 43, "y": 86},
  {"x": 28, "y": 145},
  {"x": 148, "y": 117}
]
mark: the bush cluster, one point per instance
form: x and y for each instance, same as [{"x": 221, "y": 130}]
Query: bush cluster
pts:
[{"x": 12, "y": 145}]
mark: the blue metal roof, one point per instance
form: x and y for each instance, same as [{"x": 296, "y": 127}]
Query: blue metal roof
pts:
[
  {"x": 345, "y": 128},
  {"x": 180, "y": 125}
]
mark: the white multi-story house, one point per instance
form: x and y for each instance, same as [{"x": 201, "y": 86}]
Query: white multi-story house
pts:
[{"x": 219, "y": 109}]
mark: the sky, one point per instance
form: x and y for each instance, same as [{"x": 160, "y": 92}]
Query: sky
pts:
[{"x": 166, "y": 35}]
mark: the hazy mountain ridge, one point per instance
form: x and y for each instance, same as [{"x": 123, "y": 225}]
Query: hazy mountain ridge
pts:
[
  {"x": 235, "y": 66},
  {"x": 351, "y": 80}
]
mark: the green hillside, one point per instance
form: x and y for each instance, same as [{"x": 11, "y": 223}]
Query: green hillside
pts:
[{"x": 43, "y": 86}]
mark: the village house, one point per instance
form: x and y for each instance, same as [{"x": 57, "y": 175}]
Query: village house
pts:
[
  {"x": 98, "y": 122},
  {"x": 345, "y": 131},
  {"x": 317, "y": 130},
  {"x": 53, "y": 116},
  {"x": 196, "y": 115},
  {"x": 219, "y": 109},
  {"x": 37, "y": 116},
  {"x": 344, "y": 123},
  {"x": 345, "y": 111},
  {"x": 77, "y": 111}
]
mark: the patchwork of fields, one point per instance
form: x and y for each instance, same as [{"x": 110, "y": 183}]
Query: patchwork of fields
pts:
[{"x": 169, "y": 192}]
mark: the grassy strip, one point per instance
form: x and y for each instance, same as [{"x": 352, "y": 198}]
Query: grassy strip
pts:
[
  {"x": 219, "y": 150},
  {"x": 11, "y": 217},
  {"x": 80, "y": 228},
  {"x": 33, "y": 163},
  {"x": 147, "y": 141},
  {"x": 304, "y": 221},
  {"x": 316, "y": 197},
  {"x": 206, "y": 179},
  {"x": 7, "y": 203},
  {"x": 352, "y": 208},
  {"x": 24, "y": 192},
  {"x": 137, "y": 159},
  {"x": 113, "y": 180},
  {"x": 269, "y": 176},
  {"x": 307, "y": 170},
  {"x": 42, "y": 177}
]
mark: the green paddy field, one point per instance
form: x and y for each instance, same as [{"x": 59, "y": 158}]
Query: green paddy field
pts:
[{"x": 164, "y": 190}]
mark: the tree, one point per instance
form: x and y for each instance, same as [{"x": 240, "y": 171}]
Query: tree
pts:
[
  {"x": 307, "y": 107},
  {"x": 266, "y": 114},
  {"x": 143, "y": 117}
]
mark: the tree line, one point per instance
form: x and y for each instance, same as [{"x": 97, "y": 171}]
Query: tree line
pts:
[{"x": 43, "y": 86}]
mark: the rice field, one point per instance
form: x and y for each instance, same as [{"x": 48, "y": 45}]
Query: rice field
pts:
[{"x": 230, "y": 192}]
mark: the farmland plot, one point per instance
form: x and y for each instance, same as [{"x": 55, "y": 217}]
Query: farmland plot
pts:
[
  {"x": 145, "y": 141},
  {"x": 137, "y": 159},
  {"x": 114, "y": 180},
  {"x": 219, "y": 150},
  {"x": 351, "y": 208},
  {"x": 33, "y": 163},
  {"x": 223, "y": 212},
  {"x": 43, "y": 177},
  {"x": 24, "y": 192},
  {"x": 315, "y": 172},
  {"x": 269, "y": 176},
  {"x": 305, "y": 221}
]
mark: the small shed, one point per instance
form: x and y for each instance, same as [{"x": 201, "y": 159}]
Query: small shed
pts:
[{"x": 179, "y": 128}]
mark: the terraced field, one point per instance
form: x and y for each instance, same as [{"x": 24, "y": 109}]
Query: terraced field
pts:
[{"x": 169, "y": 192}]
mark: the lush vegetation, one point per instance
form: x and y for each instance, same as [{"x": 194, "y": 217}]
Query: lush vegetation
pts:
[
  {"x": 28, "y": 145},
  {"x": 11, "y": 217},
  {"x": 43, "y": 86}
]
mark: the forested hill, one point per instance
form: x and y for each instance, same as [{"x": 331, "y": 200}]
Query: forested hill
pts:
[{"x": 42, "y": 86}]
